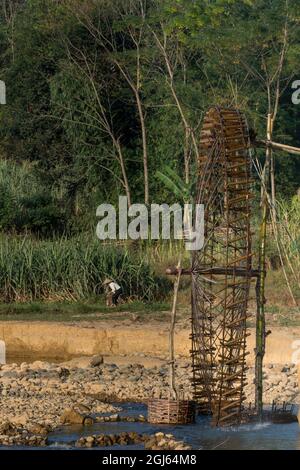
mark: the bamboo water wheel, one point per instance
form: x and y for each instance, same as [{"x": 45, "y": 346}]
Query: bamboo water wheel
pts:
[{"x": 222, "y": 270}]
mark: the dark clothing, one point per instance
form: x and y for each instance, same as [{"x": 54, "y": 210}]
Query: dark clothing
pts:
[{"x": 116, "y": 295}]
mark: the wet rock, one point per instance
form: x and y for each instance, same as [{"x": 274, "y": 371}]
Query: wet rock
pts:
[
  {"x": 161, "y": 441},
  {"x": 71, "y": 416},
  {"x": 88, "y": 421},
  {"x": 150, "y": 443},
  {"x": 100, "y": 419},
  {"x": 103, "y": 440},
  {"x": 284, "y": 418},
  {"x": 114, "y": 418},
  {"x": 36, "y": 428}
]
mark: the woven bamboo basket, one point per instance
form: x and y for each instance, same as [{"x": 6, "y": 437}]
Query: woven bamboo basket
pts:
[{"x": 166, "y": 411}]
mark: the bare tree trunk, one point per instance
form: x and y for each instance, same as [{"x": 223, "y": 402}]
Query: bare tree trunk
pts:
[
  {"x": 187, "y": 156},
  {"x": 10, "y": 11},
  {"x": 272, "y": 172},
  {"x": 107, "y": 41},
  {"x": 124, "y": 172},
  {"x": 145, "y": 150},
  {"x": 162, "y": 46},
  {"x": 103, "y": 118}
]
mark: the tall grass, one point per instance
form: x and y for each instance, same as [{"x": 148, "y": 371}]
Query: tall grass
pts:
[
  {"x": 288, "y": 226},
  {"x": 20, "y": 179},
  {"x": 72, "y": 269}
]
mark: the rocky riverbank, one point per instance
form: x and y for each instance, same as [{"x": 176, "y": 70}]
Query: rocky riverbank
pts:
[
  {"x": 38, "y": 397},
  {"x": 158, "y": 441}
]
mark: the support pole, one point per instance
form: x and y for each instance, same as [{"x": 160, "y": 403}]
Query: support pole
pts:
[
  {"x": 277, "y": 146},
  {"x": 260, "y": 286},
  {"x": 173, "y": 389},
  {"x": 242, "y": 272},
  {"x": 260, "y": 344}
]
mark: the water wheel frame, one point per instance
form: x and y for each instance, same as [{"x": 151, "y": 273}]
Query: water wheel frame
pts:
[{"x": 222, "y": 270}]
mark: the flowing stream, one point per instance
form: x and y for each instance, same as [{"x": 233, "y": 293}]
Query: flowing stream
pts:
[{"x": 199, "y": 435}]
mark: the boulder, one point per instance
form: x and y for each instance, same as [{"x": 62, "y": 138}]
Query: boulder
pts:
[
  {"x": 71, "y": 416},
  {"x": 96, "y": 361},
  {"x": 88, "y": 421},
  {"x": 150, "y": 443},
  {"x": 7, "y": 428},
  {"x": 114, "y": 418},
  {"x": 39, "y": 365},
  {"x": 82, "y": 408},
  {"x": 36, "y": 428},
  {"x": 84, "y": 362}
]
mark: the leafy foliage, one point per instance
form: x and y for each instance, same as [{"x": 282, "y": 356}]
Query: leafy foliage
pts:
[{"x": 69, "y": 68}]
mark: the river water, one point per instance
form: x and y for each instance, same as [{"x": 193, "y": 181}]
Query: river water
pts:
[{"x": 199, "y": 435}]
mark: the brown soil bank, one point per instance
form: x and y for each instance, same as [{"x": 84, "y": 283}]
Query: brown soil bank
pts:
[{"x": 57, "y": 340}]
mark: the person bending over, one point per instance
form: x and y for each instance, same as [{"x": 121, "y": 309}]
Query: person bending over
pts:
[{"x": 113, "y": 292}]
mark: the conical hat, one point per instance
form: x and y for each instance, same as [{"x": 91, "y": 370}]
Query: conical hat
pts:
[{"x": 107, "y": 281}]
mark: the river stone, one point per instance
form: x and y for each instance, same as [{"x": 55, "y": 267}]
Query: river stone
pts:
[
  {"x": 88, "y": 421},
  {"x": 70, "y": 416},
  {"x": 114, "y": 418},
  {"x": 96, "y": 361},
  {"x": 82, "y": 408},
  {"x": 7, "y": 428},
  {"x": 36, "y": 428},
  {"x": 95, "y": 388},
  {"x": 37, "y": 365},
  {"x": 113, "y": 439},
  {"x": 150, "y": 443}
]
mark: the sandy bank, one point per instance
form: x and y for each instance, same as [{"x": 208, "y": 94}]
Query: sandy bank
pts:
[{"x": 65, "y": 340}]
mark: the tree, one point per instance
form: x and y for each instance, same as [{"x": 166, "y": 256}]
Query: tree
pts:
[{"x": 121, "y": 37}]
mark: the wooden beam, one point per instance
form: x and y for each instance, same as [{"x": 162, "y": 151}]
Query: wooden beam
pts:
[
  {"x": 175, "y": 271},
  {"x": 277, "y": 146},
  {"x": 239, "y": 272}
]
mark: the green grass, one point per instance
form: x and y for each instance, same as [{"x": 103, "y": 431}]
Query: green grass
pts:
[
  {"x": 272, "y": 309},
  {"x": 82, "y": 311}
]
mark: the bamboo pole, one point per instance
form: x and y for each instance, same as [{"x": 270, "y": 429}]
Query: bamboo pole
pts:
[
  {"x": 277, "y": 146},
  {"x": 173, "y": 389},
  {"x": 260, "y": 285},
  {"x": 242, "y": 272}
]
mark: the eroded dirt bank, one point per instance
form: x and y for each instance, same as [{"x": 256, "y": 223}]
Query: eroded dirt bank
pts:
[{"x": 65, "y": 340}]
